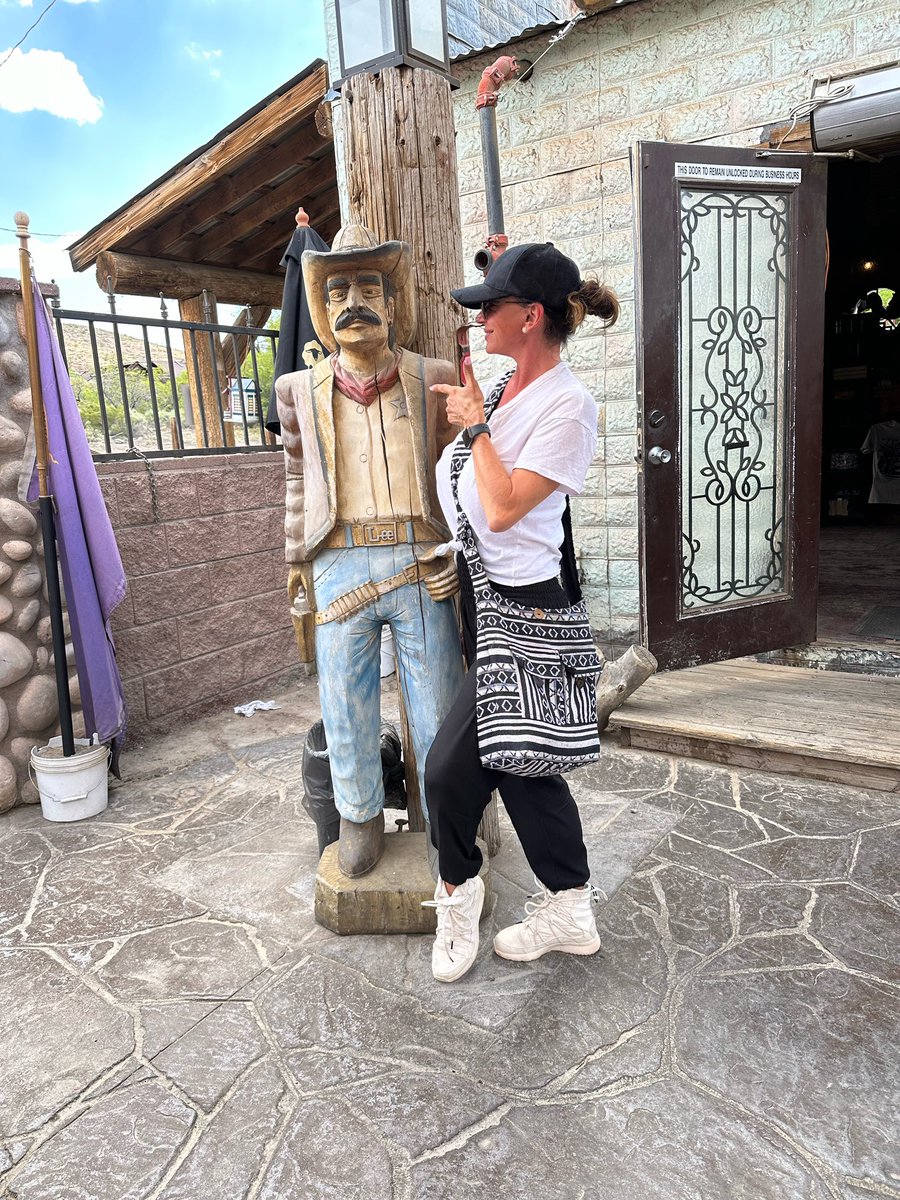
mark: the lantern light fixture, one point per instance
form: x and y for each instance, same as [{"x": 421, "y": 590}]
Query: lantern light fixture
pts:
[{"x": 373, "y": 34}]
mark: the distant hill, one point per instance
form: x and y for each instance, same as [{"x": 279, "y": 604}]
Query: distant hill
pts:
[{"x": 80, "y": 358}]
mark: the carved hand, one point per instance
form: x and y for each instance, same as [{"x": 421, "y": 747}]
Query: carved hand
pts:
[
  {"x": 296, "y": 587},
  {"x": 301, "y": 613},
  {"x": 444, "y": 583}
]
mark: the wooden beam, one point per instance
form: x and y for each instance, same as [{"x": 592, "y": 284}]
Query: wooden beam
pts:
[
  {"x": 270, "y": 240},
  {"x": 279, "y": 201},
  {"x": 325, "y": 224},
  {"x": 220, "y": 160},
  {"x": 236, "y": 347},
  {"x": 134, "y": 275},
  {"x": 790, "y": 135},
  {"x": 235, "y": 188},
  {"x": 274, "y": 232},
  {"x": 206, "y": 373}
]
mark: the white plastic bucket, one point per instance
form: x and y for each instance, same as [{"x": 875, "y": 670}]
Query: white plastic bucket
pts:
[
  {"x": 75, "y": 787},
  {"x": 388, "y": 665}
]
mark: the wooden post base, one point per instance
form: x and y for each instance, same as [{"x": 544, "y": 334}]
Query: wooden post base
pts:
[{"x": 388, "y": 899}]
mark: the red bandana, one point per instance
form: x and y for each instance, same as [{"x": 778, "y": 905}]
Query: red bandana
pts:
[{"x": 364, "y": 391}]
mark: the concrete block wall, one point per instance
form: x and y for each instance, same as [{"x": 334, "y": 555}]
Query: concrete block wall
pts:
[
  {"x": 205, "y": 621},
  {"x": 714, "y": 71}
]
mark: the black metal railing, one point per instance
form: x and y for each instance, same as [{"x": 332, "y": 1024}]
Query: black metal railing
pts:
[{"x": 205, "y": 394}]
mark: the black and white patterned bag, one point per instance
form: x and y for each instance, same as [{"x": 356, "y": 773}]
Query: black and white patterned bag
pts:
[{"x": 536, "y": 682}]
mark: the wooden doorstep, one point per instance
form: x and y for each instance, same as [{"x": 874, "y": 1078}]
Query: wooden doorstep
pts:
[{"x": 826, "y": 725}]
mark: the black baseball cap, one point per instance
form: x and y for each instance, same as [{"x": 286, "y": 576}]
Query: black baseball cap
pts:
[{"x": 534, "y": 271}]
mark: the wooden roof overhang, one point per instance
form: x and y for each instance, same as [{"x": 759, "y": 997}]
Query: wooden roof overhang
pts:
[{"x": 222, "y": 217}]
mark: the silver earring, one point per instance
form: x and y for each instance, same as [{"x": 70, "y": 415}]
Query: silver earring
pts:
[{"x": 524, "y": 328}]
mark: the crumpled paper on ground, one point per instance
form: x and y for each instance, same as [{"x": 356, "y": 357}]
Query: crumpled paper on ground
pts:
[{"x": 252, "y": 706}]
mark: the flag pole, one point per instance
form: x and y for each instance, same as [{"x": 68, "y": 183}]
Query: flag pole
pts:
[{"x": 45, "y": 500}]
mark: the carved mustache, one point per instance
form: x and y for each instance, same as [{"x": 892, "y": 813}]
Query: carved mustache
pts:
[{"x": 350, "y": 315}]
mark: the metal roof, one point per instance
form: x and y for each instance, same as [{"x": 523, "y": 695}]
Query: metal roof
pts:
[{"x": 476, "y": 25}]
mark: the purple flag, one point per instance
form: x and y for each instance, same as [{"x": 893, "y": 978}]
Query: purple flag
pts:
[{"x": 92, "y": 571}]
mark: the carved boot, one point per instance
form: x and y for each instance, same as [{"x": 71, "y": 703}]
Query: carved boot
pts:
[{"x": 360, "y": 845}]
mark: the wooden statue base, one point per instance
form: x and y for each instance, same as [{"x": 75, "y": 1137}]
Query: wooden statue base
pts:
[{"x": 388, "y": 899}]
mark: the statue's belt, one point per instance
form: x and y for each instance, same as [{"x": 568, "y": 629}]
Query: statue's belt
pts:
[
  {"x": 353, "y": 602},
  {"x": 377, "y": 533}
]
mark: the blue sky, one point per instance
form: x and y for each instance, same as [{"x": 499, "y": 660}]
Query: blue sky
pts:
[{"x": 115, "y": 92}]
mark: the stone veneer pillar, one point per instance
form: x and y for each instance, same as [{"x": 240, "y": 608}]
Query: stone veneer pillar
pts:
[{"x": 28, "y": 701}]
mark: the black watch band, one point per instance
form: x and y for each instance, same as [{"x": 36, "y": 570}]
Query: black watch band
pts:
[{"x": 471, "y": 432}]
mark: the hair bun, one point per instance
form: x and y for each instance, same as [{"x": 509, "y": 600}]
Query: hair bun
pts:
[{"x": 599, "y": 300}]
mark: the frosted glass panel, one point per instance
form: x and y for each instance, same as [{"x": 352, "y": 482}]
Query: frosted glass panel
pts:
[
  {"x": 426, "y": 27},
  {"x": 733, "y": 395},
  {"x": 367, "y": 30}
]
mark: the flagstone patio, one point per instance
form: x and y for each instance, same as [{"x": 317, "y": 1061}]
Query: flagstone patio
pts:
[{"x": 173, "y": 1024}]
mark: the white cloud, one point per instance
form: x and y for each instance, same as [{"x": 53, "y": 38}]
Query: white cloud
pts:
[
  {"x": 208, "y": 57},
  {"x": 199, "y": 54},
  {"x": 51, "y": 262},
  {"x": 47, "y": 81},
  {"x": 77, "y": 291}
]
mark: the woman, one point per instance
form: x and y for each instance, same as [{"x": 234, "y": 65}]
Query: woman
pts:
[{"x": 537, "y": 448}]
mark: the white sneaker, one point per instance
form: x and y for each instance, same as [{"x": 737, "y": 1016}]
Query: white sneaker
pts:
[
  {"x": 456, "y": 944},
  {"x": 553, "y": 921}
]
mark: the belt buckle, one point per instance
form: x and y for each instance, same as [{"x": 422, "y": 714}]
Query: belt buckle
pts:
[{"x": 380, "y": 533}]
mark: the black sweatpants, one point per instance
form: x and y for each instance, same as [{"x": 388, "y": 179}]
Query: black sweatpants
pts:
[{"x": 458, "y": 788}]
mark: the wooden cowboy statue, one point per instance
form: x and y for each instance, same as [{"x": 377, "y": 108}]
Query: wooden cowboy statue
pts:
[{"x": 362, "y": 434}]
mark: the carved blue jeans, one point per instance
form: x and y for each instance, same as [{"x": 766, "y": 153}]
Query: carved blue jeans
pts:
[{"x": 348, "y": 653}]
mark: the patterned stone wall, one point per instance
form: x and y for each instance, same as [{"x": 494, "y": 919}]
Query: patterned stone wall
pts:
[
  {"x": 714, "y": 71},
  {"x": 205, "y": 621},
  {"x": 28, "y": 701}
]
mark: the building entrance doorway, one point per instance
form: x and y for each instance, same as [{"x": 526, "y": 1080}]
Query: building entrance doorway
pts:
[
  {"x": 757, "y": 385},
  {"x": 858, "y": 614}
]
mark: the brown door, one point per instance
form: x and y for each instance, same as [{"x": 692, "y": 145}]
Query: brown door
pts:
[{"x": 731, "y": 282}]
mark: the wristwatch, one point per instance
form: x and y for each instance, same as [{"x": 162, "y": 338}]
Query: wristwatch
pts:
[{"x": 471, "y": 432}]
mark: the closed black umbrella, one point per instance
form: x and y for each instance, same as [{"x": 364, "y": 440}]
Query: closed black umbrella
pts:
[{"x": 298, "y": 346}]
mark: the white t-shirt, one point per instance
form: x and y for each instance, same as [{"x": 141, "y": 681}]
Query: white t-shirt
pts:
[
  {"x": 883, "y": 443},
  {"x": 549, "y": 428}
]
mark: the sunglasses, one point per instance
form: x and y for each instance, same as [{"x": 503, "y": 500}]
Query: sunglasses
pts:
[{"x": 491, "y": 306}]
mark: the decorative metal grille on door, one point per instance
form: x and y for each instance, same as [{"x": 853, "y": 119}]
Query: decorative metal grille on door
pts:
[{"x": 734, "y": 307}]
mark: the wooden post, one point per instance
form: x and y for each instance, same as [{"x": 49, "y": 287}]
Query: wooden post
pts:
[
  {"x": 400, "y": 155},
  {"x": 211, "y": 386},
  {"x": 236, "y": 346},
  {"x": 400, "y": 150},
  {"x": 410, "y": 771}
]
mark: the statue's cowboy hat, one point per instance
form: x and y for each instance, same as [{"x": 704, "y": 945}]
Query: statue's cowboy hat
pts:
[{"x": 357, "y": 248}]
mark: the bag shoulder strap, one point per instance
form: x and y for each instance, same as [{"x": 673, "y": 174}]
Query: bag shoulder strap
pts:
[
  {"x": 466, "y": 537},
  {"x": 464, "y": 533},
  {"x": 568, "y": 563}
]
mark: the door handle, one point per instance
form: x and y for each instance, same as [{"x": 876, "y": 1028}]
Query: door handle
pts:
[{"x": 659, "y": 456}]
